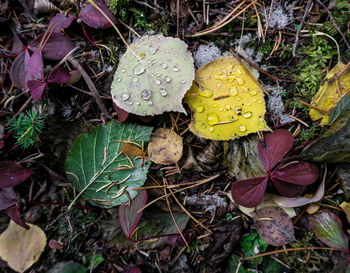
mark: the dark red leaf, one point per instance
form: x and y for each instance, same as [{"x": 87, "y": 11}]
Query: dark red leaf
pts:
[
  {"x": 17, "y": 44},
  {"x": 59, "y": 75},
  {"x": 93, "y": 18},
  {"x": 128, "y": 216},
  {"x": 131, "y": 269},
  {"x": 61, "y": 21},
  {"x": 277, "y": 145},
  {"x": 35, "y": 67},
  {"x": 36, "y": 88},
  {"x": 12, "y": 174},
  {"x": 288, "y": 189},
  {"x": 122, "y": 114},
  {"x": 15, "y": 215},
  {"x": 8, "y": 198},
  {"x": 56, "y": 48},
  {"x": 249, "y": 192},
  {"x": 297, "y": 172},
  {"x": 18, "y": 69}
]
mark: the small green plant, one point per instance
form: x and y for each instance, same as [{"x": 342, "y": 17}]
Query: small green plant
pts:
[
  {"x": 26, "y": 128},
  {"x": 119, "y": 8}
]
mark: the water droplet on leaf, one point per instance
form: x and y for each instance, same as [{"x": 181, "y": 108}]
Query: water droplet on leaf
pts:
[
  {"x": 163, "y": 92},
  {"x": 212, "y": 119},
  {"x": 125, "y": 96},
  {"x": 247, "y": 114},
  {"x": 242, "y": 128},
  {"x": 200, "y": 108},
  {"x": 167, "y": 79},
  {"x": 205, "y": 93},
  {"x": 139, "y": 70},
  {"x": 146, "y": 94}
]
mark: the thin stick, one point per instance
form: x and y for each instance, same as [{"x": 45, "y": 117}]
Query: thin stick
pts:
[{"x": 309, "y": 2}]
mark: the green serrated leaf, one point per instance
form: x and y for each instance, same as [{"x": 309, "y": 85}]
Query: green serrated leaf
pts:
[
  {"x": 99, "y": 171},
  {"x": 342, "y": 108}
]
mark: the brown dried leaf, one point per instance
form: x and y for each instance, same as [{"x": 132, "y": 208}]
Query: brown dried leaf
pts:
[
  {"x": 165, "y": 147},
  {"x": 274, "y": 225},
  {"x": 132, "y": 150},
  {"x": 21, "y": 248}
]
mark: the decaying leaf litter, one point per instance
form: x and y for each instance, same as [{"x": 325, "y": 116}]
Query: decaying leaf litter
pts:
[{"x": 147, "y": 139}]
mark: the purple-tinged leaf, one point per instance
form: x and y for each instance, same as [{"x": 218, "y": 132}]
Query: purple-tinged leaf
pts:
[
  {"x": 122, "y": 114},
  {"x": 61, "y": 21},
  {"x": 128, "y": 216},
  {"x": 249, "y": 192},
  {"x": 36, "y": 88},
  {"x": 277, "y": 145},
  {"x": 15, "y": 215},
  {"x": 274, "y": 225},
  {"x": 75, "y": 76},
  {"x": 297, "y": 172},
  {"x": 93, "y": 18},
  {"x": 18, "y": 69},
  {"x": 59, "y": 75},
  {"x": 17, "y": 44},
  {"x": 56, "y": 48},
  {"x": 288, "y": 189},
  {"x": 8, "y": 198},
  {"x": 328, "y": 229},
  {"x": 35, "y": 67},
  {"x": 131, "y": 269},
  {"x": 12, "y": 173}
]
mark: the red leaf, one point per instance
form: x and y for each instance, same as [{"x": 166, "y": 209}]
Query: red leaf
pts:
[
  {"x": 56, "y": 48},
  {"x": 249, "y": 192},
  {"x": 59, "y": 75},
  {"x": 277, "y": 145},
  {"x": 12, "y": 174},
  {"x": 93, "y": 18},
  {"x": 36, "y": 88},
  {"x": 128, "y": 216},
  {"x": 14, "y": 214},
  {"x": 17, "y": 44},
  {"x": 288, "y": 189},
  {"x": 35, "y": 67},
  {"x": 122, "y": 114},
  {"x": 18, "y": 69},
  {"x": 8, "y": 198},
  {"x": 61, "y": 21},
  {"x": 297, "y": 172}
]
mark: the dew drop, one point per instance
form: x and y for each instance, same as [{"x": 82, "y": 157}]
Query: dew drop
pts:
[
  {"x": 211, "y": 129},
  {"x": 167, "y": 79},
  {"x": 261, "y": 119},
  {"x": 158, "y": 82},
  {"x": 200, "y": 108},
  {"x": 203, "y": 125},
  {"x": 228, "y": 107},
  {"x": 254, "y": 100},
  {"x": 242, "y": 128},
  {"x": 163, "y": 92},
  {"x": 218, "y": 84},
  {"x": 136, "y": 79},
  {"x": 212, "y": 119},
  {"x": 253, "y": 92},
  {"x": 175, "y": 69},
  {"x": 183, "y": 82},
  {"x": 205, "y": 93},
  {"x": 240, "y": 81},
  {"x": 221, "y": 109},
  {"x": 129, "y": 102},
  {"x": 123, "y": 70},
  {"x": 239, "y": 98},
  {"x": 259, "y": 101},
  {"x": 125, "y": 96},
  {"x": 137, "y": 103},
  {"x": 149, "y": 102},
  {"x": 248, "y": 104},
  {"x": 119, "y": 79},
  {"x": 139, "y": 70},
  {"x": 233, "y": 92},
  {"x": 239, "y": 72},
  {"x": 158, "y": 75},
  {"x": 238, "y": 110},
  {"x": 146, "y": 94},
  {"x": 153, "y": 49},
  {"x": 215, "y": 105},
  {"x": 164, "y": 65},
  {"x": 247, "y": 114}
]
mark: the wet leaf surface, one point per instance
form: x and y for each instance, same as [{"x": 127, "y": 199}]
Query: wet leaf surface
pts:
[
  {"x": 12, "y": 174},
  {"x": 274, "y": 226}
]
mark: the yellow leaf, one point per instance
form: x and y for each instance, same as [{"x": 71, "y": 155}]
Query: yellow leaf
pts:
[
  {"x": 346, "y": 208},
  {"x": 21, "y": 248},
  {"x": 330, "y": 93},
  {"x": 226, "y": 101},
  {"x": 165, "y": 147}
]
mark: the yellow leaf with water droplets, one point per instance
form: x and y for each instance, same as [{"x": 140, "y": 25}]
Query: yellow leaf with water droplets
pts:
[
  {"x": 330, "y": 93},
  {"x": 21, "y": 248},
  {"x": 226, "y": 101}
]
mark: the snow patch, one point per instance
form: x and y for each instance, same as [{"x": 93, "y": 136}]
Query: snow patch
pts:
[
  {"x": 275, "y": 103},
  {"x": 212, "y": 202},
  {"x": 280, "y": 17}
]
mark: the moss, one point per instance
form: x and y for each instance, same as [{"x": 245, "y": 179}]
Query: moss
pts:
[{"x": 119, "y": 8}]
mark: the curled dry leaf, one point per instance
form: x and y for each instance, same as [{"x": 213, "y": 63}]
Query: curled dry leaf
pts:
[
  {"x": 274, "y": 226},
  {"x": 267, "y": 202},
  {"x": 21, "y": 248},
  {"x": 165, "y": 147}
]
